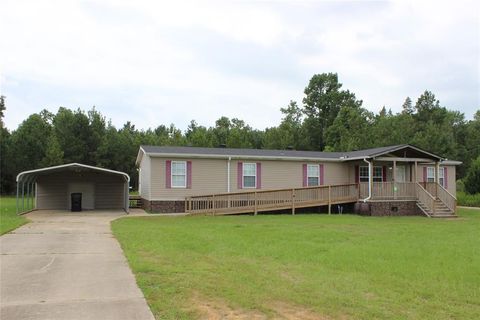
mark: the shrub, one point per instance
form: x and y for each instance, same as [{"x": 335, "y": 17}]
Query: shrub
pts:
[
  {"x": 468, "y": 200},
  {"x": 460, "y": 185},
  {"x": 472, "y": 180}
]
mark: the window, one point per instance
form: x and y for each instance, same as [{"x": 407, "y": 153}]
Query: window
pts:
[
  {"x": 313, "y": 175},
  {"x": 179, "y": 174},
  {"x": 249, "y": 175},
  {"x": 441, "y": 177},
  {"x": 377, "y": 174},
  {"x": 430, "y": 174}
]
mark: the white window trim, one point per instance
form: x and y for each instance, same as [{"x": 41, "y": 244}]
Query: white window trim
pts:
[
  {"x": 430, "y": 169},
  {"x": 373, "y": 174},
  {"x": 441, "y": 177},
  {"x": 309, "y": 176},
  {"x": 243, "y": 175},
  {"x": 171, "y": 175}
]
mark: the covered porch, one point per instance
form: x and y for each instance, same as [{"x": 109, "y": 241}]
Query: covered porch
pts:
[{"x": 407, "y": 174}]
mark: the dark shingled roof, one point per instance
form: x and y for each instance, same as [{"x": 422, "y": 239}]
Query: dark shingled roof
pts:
[{"x": 367, "y": 153}]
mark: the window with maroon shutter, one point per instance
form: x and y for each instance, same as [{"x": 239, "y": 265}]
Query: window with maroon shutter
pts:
[
  {"x": 259, "y": 175},
  {"x": 249, "y": 175},
  {"x": 168, "y": 174},
  {"x": 313, "y": 175},
  {"x": 305, "y": 175},
  {"x": 189, "y": 174},
  {"x": 179, "y": 174},
  {"x": 377, "y": 174}
]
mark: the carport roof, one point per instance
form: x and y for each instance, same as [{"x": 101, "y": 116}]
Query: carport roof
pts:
[{"x": 77, "y": 167}]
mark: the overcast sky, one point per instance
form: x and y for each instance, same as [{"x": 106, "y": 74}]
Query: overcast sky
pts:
[{"x": 154, "y": 62}]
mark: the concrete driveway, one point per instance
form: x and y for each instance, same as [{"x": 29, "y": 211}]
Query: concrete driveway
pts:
[{"x": 67, "y": 265}]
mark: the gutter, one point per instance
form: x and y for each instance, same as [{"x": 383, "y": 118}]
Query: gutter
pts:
[
  {"x": 228, "y": 174},
  {"x": 369, "y": 182}
]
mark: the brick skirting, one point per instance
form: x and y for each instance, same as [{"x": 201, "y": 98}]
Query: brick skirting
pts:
[
  {"x": 163, "y": 206},
  {"x": 393, "y": 208}
]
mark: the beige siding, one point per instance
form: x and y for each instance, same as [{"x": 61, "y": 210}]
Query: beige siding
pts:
[
  {"x": 208, "y": 176},
  {"x": 145, "y": 177},
  {"x": 289, "y": 174},
  {"x": 452, "y": 188},
  {"x": 52, "y": 190}
]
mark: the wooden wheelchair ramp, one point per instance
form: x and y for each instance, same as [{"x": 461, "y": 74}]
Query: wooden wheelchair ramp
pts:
[{"x": 270, "y": 200}]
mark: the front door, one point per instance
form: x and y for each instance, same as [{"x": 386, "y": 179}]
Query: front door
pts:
[{"x": 400, "y": 174}]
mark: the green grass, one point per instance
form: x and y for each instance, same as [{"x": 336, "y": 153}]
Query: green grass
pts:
[
  {"x": 9, "y": 219},
  {"x": 468, "y": 200},
  {"x": 337, "y": 266}
]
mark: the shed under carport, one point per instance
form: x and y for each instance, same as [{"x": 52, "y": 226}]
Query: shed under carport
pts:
[{"x": 51, "y": 188}]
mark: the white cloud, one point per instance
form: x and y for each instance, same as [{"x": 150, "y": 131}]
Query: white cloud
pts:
[{"x": 156, "y": 62}]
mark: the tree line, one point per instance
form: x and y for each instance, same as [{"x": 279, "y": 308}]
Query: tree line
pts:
[{"x": 329, "y": 118}]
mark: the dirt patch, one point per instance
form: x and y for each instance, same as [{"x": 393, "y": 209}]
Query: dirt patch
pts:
[
  {"x": 288, "y": 311},
  {"x": 218, "y": 310}
]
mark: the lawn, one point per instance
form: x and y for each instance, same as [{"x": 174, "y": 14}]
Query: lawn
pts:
[
  {"x": 306, "y": 266},
  {"x": 9, "y": 219}
]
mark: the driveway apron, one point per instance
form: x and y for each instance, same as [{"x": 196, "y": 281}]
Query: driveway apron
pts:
[{"x": 65, "y": 265}]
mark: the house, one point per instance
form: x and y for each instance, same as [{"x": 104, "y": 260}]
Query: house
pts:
[{"x": 394, "y": 180}]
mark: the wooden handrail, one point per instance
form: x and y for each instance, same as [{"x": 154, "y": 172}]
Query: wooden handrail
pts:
[
  {"x": 447, "y": 198},
  {"x": 269, "y": 190},
  {"x": 265, "y": 200},
  {"x": 422, "y": 193}
]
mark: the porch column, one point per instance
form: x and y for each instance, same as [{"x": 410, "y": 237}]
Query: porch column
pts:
[
  {"x": 370, "y": 177},
  {"x": 415, "y": 168},
  {"x": 394, "y": 178}
]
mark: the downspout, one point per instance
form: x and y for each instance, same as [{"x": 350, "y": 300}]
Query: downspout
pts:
[
  {"x": 369, "y": 182},
  {"x": 228, "y": 174}
]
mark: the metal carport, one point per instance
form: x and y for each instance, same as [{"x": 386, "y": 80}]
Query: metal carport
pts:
[{"x": 51, "y": 187}]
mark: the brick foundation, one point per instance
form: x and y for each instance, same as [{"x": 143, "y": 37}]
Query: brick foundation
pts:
[
  {"x": 163, "y": 206},
  {"x": 393, "y": 208}
]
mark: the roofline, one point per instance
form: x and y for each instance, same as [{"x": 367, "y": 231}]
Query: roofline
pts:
[
  {"x": 71, "y": 165},
  {"x": 233, "y": 156},
  {"x": 406, "y": 146},
  {"x": 140, "y": 153},
  {"x": 237, "y": 156}
]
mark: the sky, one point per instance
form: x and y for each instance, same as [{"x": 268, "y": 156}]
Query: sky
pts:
[{"x": 163, "y": 62}]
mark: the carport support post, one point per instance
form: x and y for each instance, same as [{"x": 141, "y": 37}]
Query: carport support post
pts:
[
  {"x": 28, "y": 196},
  {"x": 18, "y": 191},
  {"x": 23, "y": 197}
]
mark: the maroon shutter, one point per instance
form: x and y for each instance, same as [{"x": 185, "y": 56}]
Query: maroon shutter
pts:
[
  {"x": 357, "y": 174},
  {"x": 168, "y": 174},
  {"x": 305, "y": 177},
  {"x": 240, "y": 175},
  {"x": 445, "y": 177},
  {"x": 384, "y": 173},
  {"x": 189, "y": 174},
  {"x": 321, "y": 175},
  {"x": 424, "y": 174},
  {"x": 259, "y": 175}
]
